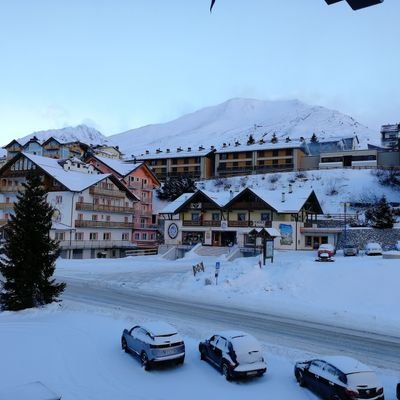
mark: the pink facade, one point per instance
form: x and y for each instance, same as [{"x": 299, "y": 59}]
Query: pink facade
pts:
[{"x": 140, "y": 181}]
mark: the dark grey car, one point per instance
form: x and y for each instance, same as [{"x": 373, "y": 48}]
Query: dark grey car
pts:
[{"x": 154, "y": 342}]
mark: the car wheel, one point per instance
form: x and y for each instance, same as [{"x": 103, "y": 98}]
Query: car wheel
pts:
[
  {"x": 124, "y": 345},
  {"x": 300, "y": 378},
  {"x": 145, "y": 361},
  {"x": 226, "y": 372}
]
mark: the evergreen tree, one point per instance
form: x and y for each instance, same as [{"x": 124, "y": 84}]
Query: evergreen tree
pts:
[
  {"x": 175, "y": 186},
  {"x": 29, "y": 253},
  {"x": 380, "y": 215}
]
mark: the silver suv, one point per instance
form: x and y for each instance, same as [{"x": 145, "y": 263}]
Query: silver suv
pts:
[{"x": 154, "y": 342}]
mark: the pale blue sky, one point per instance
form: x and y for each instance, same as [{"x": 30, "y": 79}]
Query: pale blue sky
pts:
[{"x": 121, "y": 64}]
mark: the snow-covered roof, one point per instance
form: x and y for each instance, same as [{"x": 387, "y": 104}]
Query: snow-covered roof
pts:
[
  {"x": 121, "y": 167},
  {"x": 174, "y": 154},
  {"x": 72, "y": 180},
  {"x": 293, "y": 202},
  {"x": 346, "y": 364},
  {"x": 174, "y": 205},
  {"x": 261, "y": 146},
  {"x": 159, "y": 328}
]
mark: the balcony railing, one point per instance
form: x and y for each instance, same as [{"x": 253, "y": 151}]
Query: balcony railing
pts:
[
  {"x": 6, "y": 206},
  {"x": 107, "y": 192},
  {"x": 103, "y": 224},
  {"x": 139, "y": 225},
  {"x": 95, "y": 244},
  {"x": 103, "y": 207},
  {"x": 233, "y": 224}
]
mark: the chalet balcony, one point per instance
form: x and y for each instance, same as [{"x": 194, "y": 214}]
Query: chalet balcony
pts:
[
  {"x": 95, "y": 244},
  {"x": 206, "y": 222},
  {"x": 103, "y": 224},
  {"x": 103, "y": 207},
  {"x": 239, "y": 224},
  {"x": 11, "y": 189},
  {"x": 140, "y": 186},
  {"x": 139, "y": 225},
  {"x": 107, "y": 192},
  {"x": 6, "y": 206}
]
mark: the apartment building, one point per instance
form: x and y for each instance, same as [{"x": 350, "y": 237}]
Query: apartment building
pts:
[
  {"x": 141, "y": 181},
  {"x": 198, "y": 164},
  {"x": 94, "y": 213},
  {"x": 258, "y": 158},
  {"x": 390, "y": 136}
]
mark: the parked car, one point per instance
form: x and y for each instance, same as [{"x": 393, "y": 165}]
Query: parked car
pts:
[
  {"x": 236, "y": 354},
  {"x": 154, "y": 342},
  {"x": 398, "y": 391},
  {"x": 326, "y": 250},
  {"x": 350, "y": 249},
  {"x": 373, "y": 249},
  {"x": 339, "y": 377}
]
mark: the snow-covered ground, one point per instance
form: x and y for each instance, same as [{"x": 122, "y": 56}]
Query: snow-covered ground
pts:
[{"x": 75, "y": 348}]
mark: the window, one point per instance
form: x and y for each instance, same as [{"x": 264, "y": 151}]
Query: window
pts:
[
  {"x": 60, "y": 236},
  {"x": 137, "y": 236},
  {"x": 81, "y": 199},
  {"x": 215, "y": 216},
  {"x": 153, "y": 236},
  {"x": 58, "y": 199},
  {"x": 144, "y": 236},
  {"x": 94, "y": 217},
  {"x": 265, "y": 216},
  {"x": 80, "y": 217},
  {"x": 108, "y": 218},
  {"x": 275, "y": 153},
  {"x": 195, "y": 216},
  {"x": 106, "y": 236},
  {"x": 222, "y": 156},
  {"x": 241, "y": 216},
  {"x": 154, "y": 219},
  {"x": 125, "y": 236},
  {"x": 93, "y": 236},
  {"x": 78, "y": 235}
]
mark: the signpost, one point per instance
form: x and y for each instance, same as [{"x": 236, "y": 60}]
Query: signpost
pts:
[{"x": 217, "y": 267}]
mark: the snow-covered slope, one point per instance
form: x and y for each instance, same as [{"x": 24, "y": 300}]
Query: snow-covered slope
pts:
[
  {"x": 235, "y": 119},
  {"x": 82, "y": 133}
]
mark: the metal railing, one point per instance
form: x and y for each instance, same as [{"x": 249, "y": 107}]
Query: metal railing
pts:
[
  {"x": 95, "y": 244},
  {"x": 106, "y": 192}
]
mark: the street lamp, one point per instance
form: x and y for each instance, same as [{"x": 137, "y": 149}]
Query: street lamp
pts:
[{"x": 345, "y": 205}]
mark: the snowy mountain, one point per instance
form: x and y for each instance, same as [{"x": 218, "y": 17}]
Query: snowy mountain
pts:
[
  {"x": 237, "y": 118},
  {"x": 82, "y": 133}
]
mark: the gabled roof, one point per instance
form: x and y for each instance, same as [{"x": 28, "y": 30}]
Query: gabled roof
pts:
[
  {"x": 293, "y": 202},
  {"x": 123, "y": 168},
  {"x": 12, "y": 142},
  {"x": 71, "y": 180}
]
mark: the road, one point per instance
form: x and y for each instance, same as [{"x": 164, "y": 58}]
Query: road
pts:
[{"x": 375, "y": 349}]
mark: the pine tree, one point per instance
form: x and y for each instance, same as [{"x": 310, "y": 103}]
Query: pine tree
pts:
[
  {"x": 29, "y": 254},
  {"x": 380, "y": 215},
  {"x": 175, "y": 186}
]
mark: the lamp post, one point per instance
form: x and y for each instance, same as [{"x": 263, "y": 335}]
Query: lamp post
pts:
[{"x": 345, "y": 205}]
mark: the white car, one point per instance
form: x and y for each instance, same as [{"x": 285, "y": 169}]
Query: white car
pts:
[{"x": 373, "y": 249}]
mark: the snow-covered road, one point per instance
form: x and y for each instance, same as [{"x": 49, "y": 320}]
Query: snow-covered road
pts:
[{"x": 375, "y": 349}]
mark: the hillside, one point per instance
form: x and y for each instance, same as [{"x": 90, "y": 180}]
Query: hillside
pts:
[{"x": 235, "y": 119}]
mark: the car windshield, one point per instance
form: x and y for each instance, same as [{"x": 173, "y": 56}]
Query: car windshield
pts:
[{"x": 366, "y": 379}]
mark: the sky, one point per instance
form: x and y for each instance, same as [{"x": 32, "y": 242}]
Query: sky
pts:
[{"x": 121, "y": 64}]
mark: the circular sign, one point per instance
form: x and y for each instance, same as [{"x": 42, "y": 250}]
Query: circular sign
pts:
[{"x": 173, "y": 231}]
